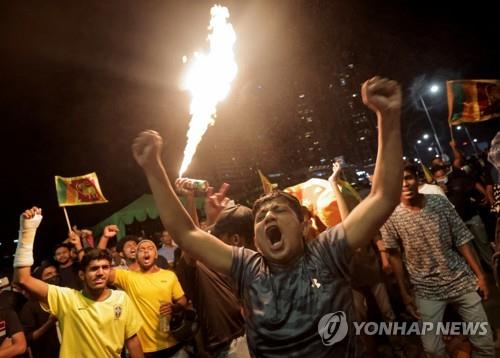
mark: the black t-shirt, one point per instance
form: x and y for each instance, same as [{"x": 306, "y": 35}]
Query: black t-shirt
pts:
[
  {"x": 69, "y": 277},
  {"x": 12, "y": 300},
  {"x": 463, "y": 194},
  {"x": 9, "y": 324},
  {"x": 213, "y": 298},
  {"x": 33, "y": 317}
]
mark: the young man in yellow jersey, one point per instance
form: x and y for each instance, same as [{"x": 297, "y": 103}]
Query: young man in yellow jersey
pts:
[
  {"x": 153, "y": 291},
  {"x": 94, "y": 322}
]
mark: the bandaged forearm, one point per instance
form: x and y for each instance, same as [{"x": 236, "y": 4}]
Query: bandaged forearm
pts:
[{"x": 24, "y": 251}]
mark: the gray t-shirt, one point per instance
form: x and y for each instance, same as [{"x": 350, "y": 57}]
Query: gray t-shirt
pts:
[
  {"x": 430, "y": 238},
  {"x": 282, "y": 308}
]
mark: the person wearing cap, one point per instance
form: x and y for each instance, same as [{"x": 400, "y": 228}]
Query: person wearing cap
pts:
[
  {"x": 293, "y": 292},
  {"x": 221, "y": 324},
  {"x": 153, "y": 291}
]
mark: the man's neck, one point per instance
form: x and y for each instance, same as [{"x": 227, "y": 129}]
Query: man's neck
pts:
[
  {"x": 284, "y": 266},
  {"x": 151, "y": 269},
  {"x": 67, "y": 264},
  {"x": 134, "y": 266},
  {"x": 96, "y": 295},
  {"x": 415, "y": 203}
]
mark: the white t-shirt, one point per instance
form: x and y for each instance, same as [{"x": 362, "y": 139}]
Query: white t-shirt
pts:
[{"x": 431, "y": 189}]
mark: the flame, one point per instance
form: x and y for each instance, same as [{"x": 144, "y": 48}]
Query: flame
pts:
[{"x": 209, "y": 80}]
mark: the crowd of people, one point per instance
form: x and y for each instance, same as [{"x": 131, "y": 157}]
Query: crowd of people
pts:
[{"x": 259, "y": 282}]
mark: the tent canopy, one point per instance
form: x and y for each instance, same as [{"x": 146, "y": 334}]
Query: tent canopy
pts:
[{"x": 139, "y": 210}]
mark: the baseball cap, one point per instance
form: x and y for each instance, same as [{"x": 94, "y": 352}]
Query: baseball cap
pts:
[{"x": 235, "y": 219}]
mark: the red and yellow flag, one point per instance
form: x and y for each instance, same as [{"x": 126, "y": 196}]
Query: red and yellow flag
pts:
[
  {"x": 81, "y": 190},
  {"x": 473, "y": 100},
  {"x": 317, "y": 196}
]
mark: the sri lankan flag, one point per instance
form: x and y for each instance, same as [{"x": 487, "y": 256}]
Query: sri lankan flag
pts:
[
  {"x": 473, "y": 100},
  {"x": 82, "y": 190}
]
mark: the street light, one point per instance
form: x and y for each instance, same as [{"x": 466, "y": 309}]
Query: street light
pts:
[
  {"x": 471, "y": 141},
  {"x": 425, "y": 136}
]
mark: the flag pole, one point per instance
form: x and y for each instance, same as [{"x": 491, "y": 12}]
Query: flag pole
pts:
[
  {"x": 67, "y": 218},
  {"x": 451, "y": 131}
]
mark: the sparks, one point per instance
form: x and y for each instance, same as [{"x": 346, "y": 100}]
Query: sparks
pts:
[{"x": 209, "y": 80}]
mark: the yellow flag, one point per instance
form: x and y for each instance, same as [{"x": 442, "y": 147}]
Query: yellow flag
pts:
[
  {"x": 428, "y": 176},
  {"x": 344, "y": 184},
  {"x": 267, "y": 186}
]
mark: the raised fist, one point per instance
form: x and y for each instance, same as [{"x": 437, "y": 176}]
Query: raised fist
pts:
[
  {"x": 31, "y": 218},
  {"x": 382, "y": 95},
  {"x": 147, "y": 148}
]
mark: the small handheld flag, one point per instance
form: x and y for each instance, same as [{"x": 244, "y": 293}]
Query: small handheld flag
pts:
[{"x": 81, "y": 190}]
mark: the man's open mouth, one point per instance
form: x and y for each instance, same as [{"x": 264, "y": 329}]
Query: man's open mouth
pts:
[{"x": 274, "y": 234}]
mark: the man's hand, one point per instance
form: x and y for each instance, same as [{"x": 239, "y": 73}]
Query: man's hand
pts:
[
  {"x": 336, "y": 170},
  {"x": 382, "y": 96},
  {"x": 165, "y": 309},
  {"x": 110, "y": 231},
  {"x": 386, "y": 265},
  {"x": 26, "y": 220},
  {"x": 28, "y": 223},
  {"x": 182, "y": 189},
  {"x": 484, "y": 291},
  {"x": 52, "y": 320},
  {"x": 75, "y": 240},
  {"x": 147, "y": 149},
  {"x": 411, "y": 306},
  {"x": 215, "y": 202}
]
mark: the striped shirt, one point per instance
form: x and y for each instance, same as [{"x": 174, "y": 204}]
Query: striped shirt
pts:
[{"x": 430, "y": 238}]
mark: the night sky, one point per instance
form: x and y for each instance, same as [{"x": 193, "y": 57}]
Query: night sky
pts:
[{"x": 79, "y": 79}]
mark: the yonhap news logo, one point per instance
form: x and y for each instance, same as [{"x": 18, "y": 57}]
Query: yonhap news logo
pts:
[{"x": 333, "y": 328}]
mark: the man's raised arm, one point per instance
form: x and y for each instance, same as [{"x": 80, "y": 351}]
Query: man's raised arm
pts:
[
  {"x": 384, "y": 98},
  {"x": 23, "y": 258},
  {"x": 196, "y": 242}
]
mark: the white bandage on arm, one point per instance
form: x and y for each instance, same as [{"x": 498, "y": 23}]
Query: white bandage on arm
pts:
[{"x": 27, "y": 230}]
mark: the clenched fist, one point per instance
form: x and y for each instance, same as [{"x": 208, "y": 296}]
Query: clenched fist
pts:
[
  {"x": 147, "y": 148},
  {"x": 382, "y": 96}
]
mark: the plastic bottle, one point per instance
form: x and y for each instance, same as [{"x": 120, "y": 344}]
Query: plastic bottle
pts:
[{"x": 164, "y": 320}]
